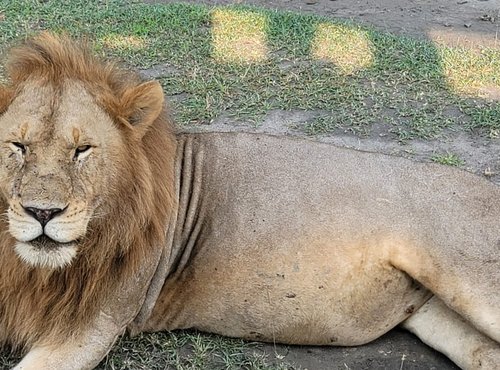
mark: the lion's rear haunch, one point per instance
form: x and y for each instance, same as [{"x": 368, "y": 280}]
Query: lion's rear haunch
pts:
[{"x": 86, "y": 181}]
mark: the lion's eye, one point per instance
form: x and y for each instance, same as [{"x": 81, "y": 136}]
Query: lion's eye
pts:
[
  {"x": 19, "y": 146},
  {"x": 82, "y": 151}
]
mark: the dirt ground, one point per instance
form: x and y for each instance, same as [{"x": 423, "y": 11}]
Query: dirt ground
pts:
[
  {"x": 455, "y": 22},
  {"x": 467, "y": 22}
]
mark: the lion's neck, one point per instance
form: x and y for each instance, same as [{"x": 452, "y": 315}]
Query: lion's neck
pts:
[
  {"x": 184, "y": 227},
  {"x": 188, "y": 223}
]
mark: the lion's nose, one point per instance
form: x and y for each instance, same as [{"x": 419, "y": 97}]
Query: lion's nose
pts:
[{"x": 43, "y": 215}]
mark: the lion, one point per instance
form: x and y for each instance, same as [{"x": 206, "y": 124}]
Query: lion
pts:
[{"x": 114, "y": 222}]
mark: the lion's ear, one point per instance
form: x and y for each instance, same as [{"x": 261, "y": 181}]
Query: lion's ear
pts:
[{"x": 142, "y": 104}]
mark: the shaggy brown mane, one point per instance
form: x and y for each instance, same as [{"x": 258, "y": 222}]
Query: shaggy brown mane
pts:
[
  {"x": 43, "y": 304},
  {"x": 54, "y": 59}
]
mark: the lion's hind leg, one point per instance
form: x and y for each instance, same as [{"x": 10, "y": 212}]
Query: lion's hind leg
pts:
[
  {"x": 444, "y": 330},
  {"x": 467, "y": 282}
]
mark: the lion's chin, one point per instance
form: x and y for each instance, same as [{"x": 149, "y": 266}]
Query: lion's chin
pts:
[{"x": 44, "y": 252}]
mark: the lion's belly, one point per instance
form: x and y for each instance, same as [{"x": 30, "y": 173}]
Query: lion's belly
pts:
[{"x": 315, "y": 294}]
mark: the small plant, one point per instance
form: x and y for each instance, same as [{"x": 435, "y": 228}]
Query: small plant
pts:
[{"x": 449, "y": 159}]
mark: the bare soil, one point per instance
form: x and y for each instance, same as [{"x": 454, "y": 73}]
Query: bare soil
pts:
[
  {"x": 469, "y": 23},
  {"x": 466, "y": 22}
]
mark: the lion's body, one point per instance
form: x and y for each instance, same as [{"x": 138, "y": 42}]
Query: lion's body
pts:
[
  {"x": 113, "y": 223},
  {"x": 299, "y": 242}
]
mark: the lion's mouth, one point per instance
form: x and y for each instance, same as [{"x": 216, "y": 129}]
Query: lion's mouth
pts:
[
  {"x": 47, "y": 243},
  {"x": 46, "y": 252}
]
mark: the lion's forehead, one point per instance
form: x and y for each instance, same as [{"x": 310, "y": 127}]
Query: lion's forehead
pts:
[
  {"x": 77, "y": 110},
  {"x": 69, "y": 113}
]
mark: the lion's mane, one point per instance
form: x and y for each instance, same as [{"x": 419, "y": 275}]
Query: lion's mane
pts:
[{"x": 50, "y": 304}]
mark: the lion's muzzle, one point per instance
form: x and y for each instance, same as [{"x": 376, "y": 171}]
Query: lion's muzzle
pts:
[{"x": 47, "y": 236}]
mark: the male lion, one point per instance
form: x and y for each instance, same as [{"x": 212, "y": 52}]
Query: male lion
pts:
[{"x": 113, "y": 223}]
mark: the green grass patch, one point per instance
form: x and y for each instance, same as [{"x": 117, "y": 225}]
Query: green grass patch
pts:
[
  {"x": 185, "y": 350},
  {"x": 484, "y": 116},
  {"x": 449, "y": 159},
  {"x": 243, "y": 61}
]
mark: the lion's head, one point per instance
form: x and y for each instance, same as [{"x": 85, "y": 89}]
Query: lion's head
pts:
[
  {"x": 86, "y": 181},
  {"x": 68, "y": 137},
  {"x": 58, "y": 167}
]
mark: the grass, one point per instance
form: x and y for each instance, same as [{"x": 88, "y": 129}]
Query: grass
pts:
[
  {"x": 182, "y": 350},
  {"x": 241, "y": 62},
  {"x": 448, "y": 159},
  {"x": 187, "y": 350},
  {"x": 356, "y": 76}
]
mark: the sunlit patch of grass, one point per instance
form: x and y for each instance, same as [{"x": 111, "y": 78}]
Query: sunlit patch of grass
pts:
[
  {"x": 348, "y": 47},
  {"x": 123, "y": 42},
  {"x": 239, "y": 36},
  {"x": 472, "y": 72}
]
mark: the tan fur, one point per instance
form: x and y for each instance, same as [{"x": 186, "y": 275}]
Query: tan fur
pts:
[{"x": 249, "y": 236}]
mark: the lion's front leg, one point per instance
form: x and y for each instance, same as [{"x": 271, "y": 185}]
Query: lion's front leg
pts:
[
  {"x": 444, "y": 330},
  {"x": 82, "y": 352}
]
